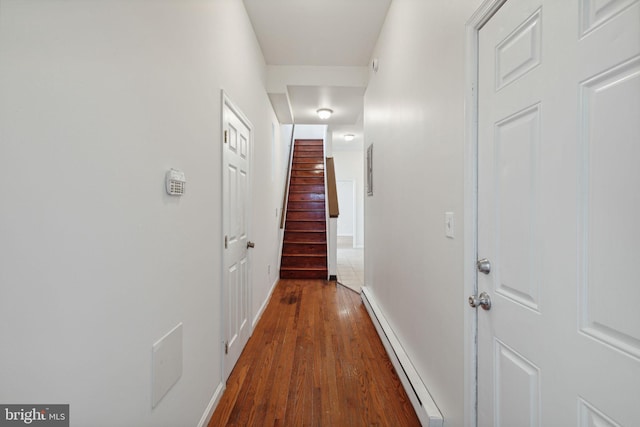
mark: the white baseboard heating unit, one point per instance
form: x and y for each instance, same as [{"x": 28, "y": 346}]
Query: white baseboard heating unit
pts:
[{"x": 425, "y": 407}]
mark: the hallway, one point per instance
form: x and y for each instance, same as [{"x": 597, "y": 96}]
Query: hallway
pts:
[
  {"x": 113, "y": 283},
  {"x": 314, "y": 359}
]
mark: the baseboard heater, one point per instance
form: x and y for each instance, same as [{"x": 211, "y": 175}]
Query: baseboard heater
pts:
[{"x": 425, "y": 407}]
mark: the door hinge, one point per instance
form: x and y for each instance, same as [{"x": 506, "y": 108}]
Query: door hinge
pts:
[
  {"x": 226, "y": 242},
  {"x": 226, "y": 347},
  {"x": 226, "y": 136}
]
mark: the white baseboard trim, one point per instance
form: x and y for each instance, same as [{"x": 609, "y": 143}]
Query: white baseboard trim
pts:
[
  {"x": 425, "y": 407},
  {"x": 258, "y": 315},
  {"x": 208, "y": 413}
]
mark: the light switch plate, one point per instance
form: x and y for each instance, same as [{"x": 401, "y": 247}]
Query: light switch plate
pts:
[
  {"x": 167, "y": 363},
  {"x": 449, "y": 224}
]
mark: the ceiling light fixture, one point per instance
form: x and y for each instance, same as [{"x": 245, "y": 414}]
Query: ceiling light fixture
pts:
[
  {"x": 349, "y": 137},
  {"x": 324, "y": 113}
]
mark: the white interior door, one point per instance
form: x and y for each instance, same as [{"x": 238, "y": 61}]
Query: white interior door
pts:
[
  {"x": 558, "y": 214},
  {"x": 236, "y": 208}
]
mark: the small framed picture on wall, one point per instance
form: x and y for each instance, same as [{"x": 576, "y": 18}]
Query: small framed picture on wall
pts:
[{"x": 370, "y": 170}]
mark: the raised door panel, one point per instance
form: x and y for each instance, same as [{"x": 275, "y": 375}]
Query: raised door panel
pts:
[
  {"x": 610, "y": 229},
  {"x": 517, "y": 388},
  {"x": 520, "y": 51},
  {"x": 515, "y": 172},
  {"x": 590, "y": 416}
]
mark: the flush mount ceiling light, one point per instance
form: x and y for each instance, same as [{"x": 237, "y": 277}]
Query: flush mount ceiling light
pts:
[
  {"x": 349, "y": 137},
  {"x": 324, "y": 113}
]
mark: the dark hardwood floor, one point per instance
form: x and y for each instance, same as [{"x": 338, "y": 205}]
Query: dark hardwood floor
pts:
[{"x": 314, "y": 359}]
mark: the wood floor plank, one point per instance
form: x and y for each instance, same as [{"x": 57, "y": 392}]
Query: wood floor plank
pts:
[{"x": 314, "y": 359}]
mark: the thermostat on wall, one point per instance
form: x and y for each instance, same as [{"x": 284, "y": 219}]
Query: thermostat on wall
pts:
[{"x": 175, "y": 182}]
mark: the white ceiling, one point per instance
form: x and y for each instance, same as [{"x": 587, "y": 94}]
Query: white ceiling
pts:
[
  {"x": 346, "y": 103},
  {"x": 307, "y": 37},
  {"x": 317, "y": 32}
]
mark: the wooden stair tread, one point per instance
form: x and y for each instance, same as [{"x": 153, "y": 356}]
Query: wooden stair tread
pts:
[
  {"x": 294, "y": 243},
  {"x": 305, "y": 255},
  {"x": 299, "y": 234},
  {"x": 307, "y": 242}
]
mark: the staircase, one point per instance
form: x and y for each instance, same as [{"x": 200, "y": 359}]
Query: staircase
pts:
[{"x": 304, "y": 251}]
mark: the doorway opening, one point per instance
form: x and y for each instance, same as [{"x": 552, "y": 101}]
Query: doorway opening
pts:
[{"x": 350, "y": 254}]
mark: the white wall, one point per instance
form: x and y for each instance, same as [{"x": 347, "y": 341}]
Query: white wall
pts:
[
  {"x": 97, "y": 100},
  {"x": 350, "y": 167},
  {"x": 309, "y": 132},
  {"x": 414, "y": 116},
  {"x": 346, "y": 202}
]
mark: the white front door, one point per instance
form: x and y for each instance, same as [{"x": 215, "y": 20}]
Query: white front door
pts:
[
  {"x": 559, "y": 214},
  {"x": 235, "y": 218}
]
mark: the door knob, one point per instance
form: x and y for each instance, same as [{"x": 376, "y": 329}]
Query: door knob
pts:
[
  {"x": 250, "y": 244},
  {"x": 484, "y": 266},
  {"x": 483, "y": 300}
]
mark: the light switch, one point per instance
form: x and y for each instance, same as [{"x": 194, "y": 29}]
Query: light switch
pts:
[{"x": 449, "y": 225}]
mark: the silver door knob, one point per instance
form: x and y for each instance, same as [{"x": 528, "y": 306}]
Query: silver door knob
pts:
[
  {"x": 483, "y": 300},
  {"x": 250, "y": 244},
  {"x": 484, "y": 266}
]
